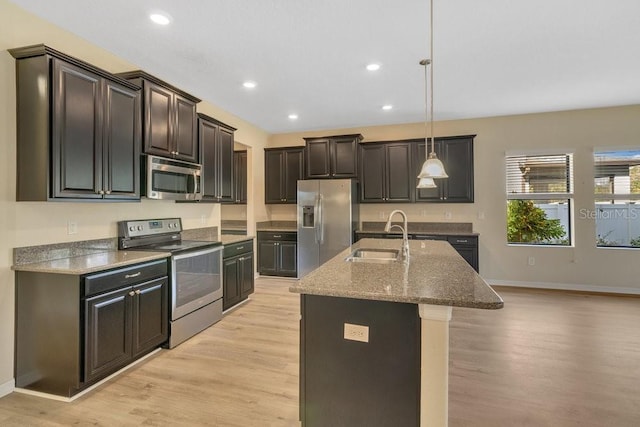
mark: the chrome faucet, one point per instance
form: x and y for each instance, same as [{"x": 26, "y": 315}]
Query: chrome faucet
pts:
[{"x": 405, "y": 239}]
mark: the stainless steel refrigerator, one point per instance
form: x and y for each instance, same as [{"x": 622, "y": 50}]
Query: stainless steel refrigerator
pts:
[{"x": 328, "y": 216}]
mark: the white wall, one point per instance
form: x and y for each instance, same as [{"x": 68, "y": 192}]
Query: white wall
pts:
[
  {"x": 32, "y": 223},
  {"x": 583, "y": 266}
]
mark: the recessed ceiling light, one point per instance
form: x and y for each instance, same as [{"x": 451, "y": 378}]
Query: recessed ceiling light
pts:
[
  {"x": 249, "y": 85},
  {"x": 387, "y": 107},
  {"x": 293, "y": 117},
  {"x": 373, "y": 67},
  {"x": 160, "y": 18}
]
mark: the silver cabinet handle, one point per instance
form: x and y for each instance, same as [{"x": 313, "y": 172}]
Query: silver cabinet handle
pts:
[
  {"x": 130, "y": 276},
  {"x": 462, "y": 241},
  {"x": 240, "y": 248},
  {"x": 277, "y": 236},
  {"x": 138, "y": 291},
  {"x": 132, "y": 293}
]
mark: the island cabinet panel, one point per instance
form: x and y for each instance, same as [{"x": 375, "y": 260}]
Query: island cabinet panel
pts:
[
  {"x": 346, "y": 382},
  {"x": 216, "y": 155},
  {"x": 386, "y": 174},
  {"x": 79, "y": 130},
  {"x": 169, "y": 118},
  {"x": 283, "y": 168},
  {"x": 456, "y": 154},
  {"x": 332, "y": 157}
]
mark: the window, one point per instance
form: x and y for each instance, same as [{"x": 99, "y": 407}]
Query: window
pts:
[
  {"x": 539, "y": 196},
  {"x": 617, "y": 198}
]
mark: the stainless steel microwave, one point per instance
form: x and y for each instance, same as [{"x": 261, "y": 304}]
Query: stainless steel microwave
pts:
[{"x": 169, "y": 179}]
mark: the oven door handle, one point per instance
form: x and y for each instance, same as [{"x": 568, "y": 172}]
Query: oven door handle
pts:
[{"x": 192, "y": 253}]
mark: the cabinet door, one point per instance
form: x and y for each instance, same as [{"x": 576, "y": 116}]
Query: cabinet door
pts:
[
  {"x": 77, "y": 132},
  {"x": 122, "y": 133},
  {"x": 372, "y": 188},
  {"x": 344, "y": 158},
  {"x": 267, "y": 257},
  {"x": 400, "y": 182},
  {"x": 224, "y": 164},
  {"x": 158, "y": 119},
  {"x": 318, "y": 158},
  {"x": 184, "y": 132},
  {"x": 288, "y": 259},
  {"x": 458, "y": 154},
  {"x": 274, "y": 176},
  {"x": 246, "y": 275},
  {"x": 208, "y": 134},
  {"x": 150, "y": 315},
  {"x": 294, "y": 167},
  {"x": 240, "y": 176},
  {"x": 230, "y": 275},
  {"x": 107, "y": 337}
]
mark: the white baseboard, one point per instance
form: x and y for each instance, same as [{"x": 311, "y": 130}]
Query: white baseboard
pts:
[
  {"x": 7, "y": 387},
  {"x": 564, "y": 287}
]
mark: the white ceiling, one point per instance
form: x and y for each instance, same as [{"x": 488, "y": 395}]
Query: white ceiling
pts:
[{"x": 491, "y": 58}]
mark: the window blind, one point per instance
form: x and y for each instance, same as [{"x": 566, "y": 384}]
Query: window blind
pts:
[{"x": 539, "y": 176}]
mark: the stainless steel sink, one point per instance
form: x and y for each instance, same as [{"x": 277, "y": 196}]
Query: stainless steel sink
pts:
[{"x": 383, "y": 256}]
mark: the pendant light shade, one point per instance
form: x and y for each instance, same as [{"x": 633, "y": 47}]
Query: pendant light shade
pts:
[
  {"x": 432, "y": 168},
  {"x": 426, "y": 183}
]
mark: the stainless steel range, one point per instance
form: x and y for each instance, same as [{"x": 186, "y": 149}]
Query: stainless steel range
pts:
[{"x": 195, "y": 270}]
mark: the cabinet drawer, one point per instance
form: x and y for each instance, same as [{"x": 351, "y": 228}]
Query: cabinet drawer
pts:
[
  {"x": 463, "y": 240},
  {"x": 237, "y": 248},
  {"x": 428, "y": 237},
  {"x": 284, "y": 236},
  {"x": 114, "y": 279}
]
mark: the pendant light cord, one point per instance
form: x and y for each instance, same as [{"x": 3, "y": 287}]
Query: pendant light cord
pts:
[{"x": 431, "y": 75}]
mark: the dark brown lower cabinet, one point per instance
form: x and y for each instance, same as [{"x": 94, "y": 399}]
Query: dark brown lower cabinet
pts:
[
  {"x": 72, "y": 331},
  {"x": 278, "y": 254},
  {"x": 123, "y": 324},
  {"x": 237, "y": 273}
]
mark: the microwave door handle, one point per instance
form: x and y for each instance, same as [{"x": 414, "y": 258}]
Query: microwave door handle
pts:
[{"x": 195, "y": 185}]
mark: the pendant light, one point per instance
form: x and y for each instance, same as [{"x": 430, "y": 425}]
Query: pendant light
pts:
[{"x": 432, "y": 167}]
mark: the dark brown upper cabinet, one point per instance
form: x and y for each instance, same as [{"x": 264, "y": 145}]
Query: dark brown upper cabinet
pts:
[
  {"x": 456, "y": 154},
  {"x": 283, "y": 167},
  {"x": 332, "y": 156},
  {"x": 216, "y": 141},
  {"x": 79, "y": 129},
  {"x": 169, "y": 118},
  {"x": 240, "y": 177},
  {"x": 386, "y": 175}
]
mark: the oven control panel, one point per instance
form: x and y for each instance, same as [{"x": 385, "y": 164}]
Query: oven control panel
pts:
[{"x": 149, "y": 227}]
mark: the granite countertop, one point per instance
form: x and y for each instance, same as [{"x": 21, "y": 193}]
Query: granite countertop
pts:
[
  {"x": 91, "y": 263},
  {"x": 277, "y": 226},
  {"x": 229, "y": 239},
  {"x": 436, "y": 274}
]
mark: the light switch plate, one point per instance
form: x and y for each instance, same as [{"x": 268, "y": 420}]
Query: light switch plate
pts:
[
  {"x": 72, "y": 227},
  {"x": 356, "y": 332}
]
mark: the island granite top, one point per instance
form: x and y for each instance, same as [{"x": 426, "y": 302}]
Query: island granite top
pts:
[
  {"x": 435, "y": 274},
  {"x": 91, "y": 263}
]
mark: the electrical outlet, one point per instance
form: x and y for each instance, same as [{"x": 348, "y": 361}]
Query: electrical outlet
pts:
[
  {"x": 382, "y": 215},
  {"x": 480, "y": 215},
  {"x": 531, "y": 260},
  {"x": 356, "y": 332},
  {"x": 203, "y": 219},
  {"x": 423, "y": 212},
  {"x": 447, "y": 215},
  {"x": 72, "y": 227}
]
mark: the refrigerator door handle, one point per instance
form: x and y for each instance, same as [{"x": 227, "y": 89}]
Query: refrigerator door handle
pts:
[{"x": 319, "y": 221}]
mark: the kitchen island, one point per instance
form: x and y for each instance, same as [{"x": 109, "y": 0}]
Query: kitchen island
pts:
[{"x": 374, "y": 336}]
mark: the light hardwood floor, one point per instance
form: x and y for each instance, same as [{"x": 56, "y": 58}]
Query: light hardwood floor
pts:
[{"x": 547, "y": 359}]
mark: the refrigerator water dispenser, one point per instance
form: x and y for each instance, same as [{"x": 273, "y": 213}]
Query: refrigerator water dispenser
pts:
[{"x": 308, "y": 217}]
